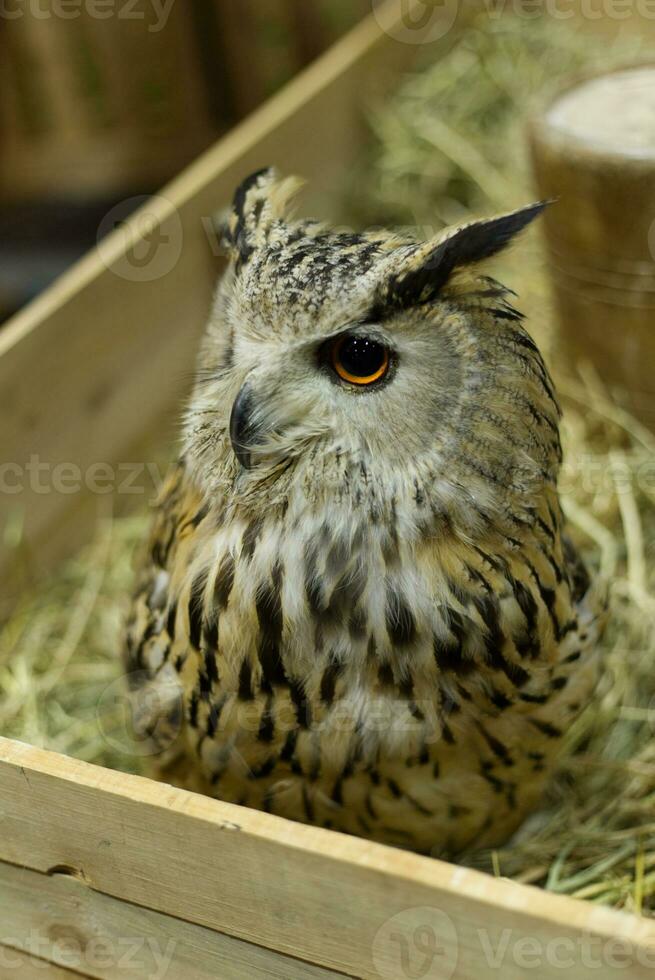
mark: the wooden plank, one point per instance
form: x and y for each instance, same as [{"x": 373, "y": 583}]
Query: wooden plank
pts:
[
  {"x": 309, "y": 28},
  {"x": 235, "y": 22},
  {"x": 62, "y": 921},
  {"x": 99, "y": 360},
  {"x": 14, "y": 963},
  {"x": 345, "y": 904}
]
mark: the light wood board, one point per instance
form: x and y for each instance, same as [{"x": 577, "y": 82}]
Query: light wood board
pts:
[
  {"x": 302, "y": 892},
  {"x": 59, "y": 919}
]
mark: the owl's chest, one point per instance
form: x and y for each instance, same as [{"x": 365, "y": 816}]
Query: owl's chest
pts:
[
  {"x": 338, "y": 631},
  {"x": 322, "y": 610},
  {"x": 330, "y": 605},
  {"x": 373, "y": 686}
]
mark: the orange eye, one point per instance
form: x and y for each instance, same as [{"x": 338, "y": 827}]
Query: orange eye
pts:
[{"x": 359, "y": 360}]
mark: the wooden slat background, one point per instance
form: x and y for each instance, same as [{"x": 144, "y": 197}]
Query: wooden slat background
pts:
[
  {"x": 90, "y": 106},
  {"x": 93, "y": 105}
]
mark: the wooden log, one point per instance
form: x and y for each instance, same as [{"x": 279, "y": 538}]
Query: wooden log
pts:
[{"x": 594, "y": 153}]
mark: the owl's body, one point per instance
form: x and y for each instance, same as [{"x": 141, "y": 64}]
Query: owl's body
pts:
[{"x": 359, "y": 608}]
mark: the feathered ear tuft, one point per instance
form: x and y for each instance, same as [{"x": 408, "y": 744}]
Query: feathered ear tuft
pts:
[
  {"x": 427, "y": 268},
  {"x": 260, "y": 201}
]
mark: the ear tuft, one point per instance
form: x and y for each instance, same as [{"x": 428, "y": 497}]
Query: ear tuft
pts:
[
  {"x": 259, "y": 202},
  {"x": 429, "y": 266},
  {"x": 482, "y": 239}
]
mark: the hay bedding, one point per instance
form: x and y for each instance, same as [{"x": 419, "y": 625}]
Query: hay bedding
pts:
[{"x": 448, "y": 144}]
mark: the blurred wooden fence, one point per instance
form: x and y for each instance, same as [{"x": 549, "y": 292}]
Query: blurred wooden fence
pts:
[{"x": 113, "y": 97}]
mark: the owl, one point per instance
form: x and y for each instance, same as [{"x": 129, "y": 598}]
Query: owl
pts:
[{"x": 359, "y": 607}]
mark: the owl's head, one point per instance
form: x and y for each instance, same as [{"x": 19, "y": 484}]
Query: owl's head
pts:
[{"x": 368, "y": 371}]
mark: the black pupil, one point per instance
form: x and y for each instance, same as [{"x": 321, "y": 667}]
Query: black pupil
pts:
[{"x": 361, "y": 357}]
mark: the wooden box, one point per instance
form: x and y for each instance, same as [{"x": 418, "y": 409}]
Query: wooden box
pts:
[{"x": 108, "y": 875}]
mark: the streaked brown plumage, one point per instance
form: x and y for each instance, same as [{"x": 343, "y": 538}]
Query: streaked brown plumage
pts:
[{"x": 359, "y": 606}]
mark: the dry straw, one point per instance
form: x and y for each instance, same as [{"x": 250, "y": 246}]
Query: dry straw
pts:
[{"x": 449, "y": 144}]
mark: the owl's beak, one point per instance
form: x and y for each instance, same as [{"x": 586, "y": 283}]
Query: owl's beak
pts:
[{"x": 243, "y": 431}]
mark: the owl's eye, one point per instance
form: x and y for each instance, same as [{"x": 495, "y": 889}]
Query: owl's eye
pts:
[{"x": 359, "y": 360}]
